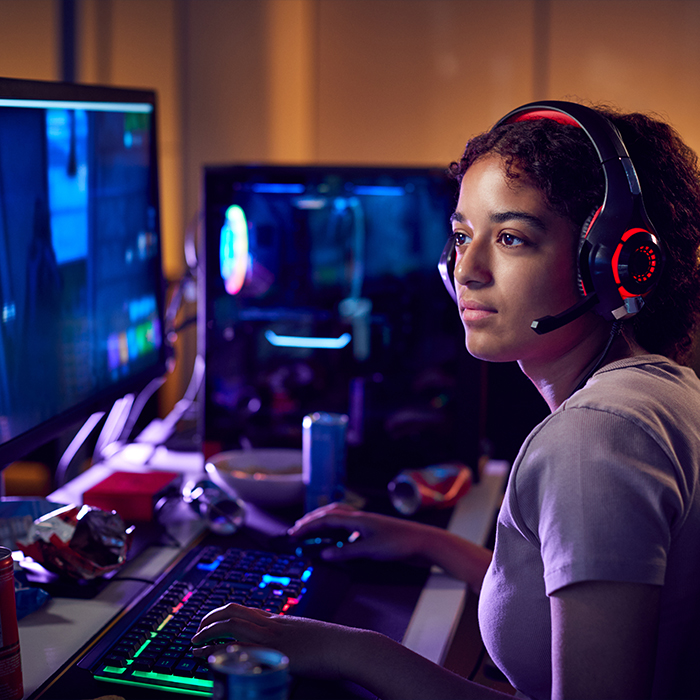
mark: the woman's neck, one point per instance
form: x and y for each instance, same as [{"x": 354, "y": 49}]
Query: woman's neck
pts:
[{"x": 558, "y": 380}]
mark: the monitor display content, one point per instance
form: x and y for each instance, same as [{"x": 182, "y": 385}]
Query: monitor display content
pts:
[
  {"x": 321, "y": 293},
  {"x": 80, "y": 270}
]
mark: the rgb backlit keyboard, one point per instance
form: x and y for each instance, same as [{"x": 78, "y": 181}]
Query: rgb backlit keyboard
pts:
[{"x": 151, "y": 645}]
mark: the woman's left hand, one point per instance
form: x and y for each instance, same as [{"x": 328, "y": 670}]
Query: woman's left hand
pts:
[{"x": 313, "y": 648}]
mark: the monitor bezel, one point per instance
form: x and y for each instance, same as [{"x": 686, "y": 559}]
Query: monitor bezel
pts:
[{"x": 72, "y": 418}]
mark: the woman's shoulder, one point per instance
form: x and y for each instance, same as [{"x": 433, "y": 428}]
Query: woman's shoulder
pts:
[
  {"x": 642, "y": 387},
  {"x": 645, "y": 408}
]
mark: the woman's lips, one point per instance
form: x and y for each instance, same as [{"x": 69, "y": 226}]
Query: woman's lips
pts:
[{"x": 475, "y": 311}]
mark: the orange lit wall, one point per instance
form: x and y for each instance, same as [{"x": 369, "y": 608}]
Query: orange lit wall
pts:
[{"x": 356, "y": 81}]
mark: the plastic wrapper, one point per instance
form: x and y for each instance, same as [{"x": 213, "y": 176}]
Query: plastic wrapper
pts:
[
  {"x": 28, "y": 598},
  {"x": 17, "y": 516},
  {"x": 79, "y": 541}
]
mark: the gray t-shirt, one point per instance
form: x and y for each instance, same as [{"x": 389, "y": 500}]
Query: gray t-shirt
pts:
[{"x": 605, "y": 488}]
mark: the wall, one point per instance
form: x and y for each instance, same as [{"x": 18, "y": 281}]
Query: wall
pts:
[
  {"x": 29, "y": 39},
  {"x": 358, "y": 81}
]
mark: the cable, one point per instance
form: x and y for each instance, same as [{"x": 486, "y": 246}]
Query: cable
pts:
[
  {"x": 75, "y": 444},
  {"x": 614, "y": 332},
  {"x": 477, "y": 664}
]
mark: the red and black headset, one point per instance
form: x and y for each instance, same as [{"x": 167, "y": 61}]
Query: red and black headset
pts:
[{"x": 620, "y": 255}]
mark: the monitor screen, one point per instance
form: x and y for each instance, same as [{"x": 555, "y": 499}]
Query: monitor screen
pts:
[
  {"x": 81, "y": 287},
  {"x": 321, "y": 293}
]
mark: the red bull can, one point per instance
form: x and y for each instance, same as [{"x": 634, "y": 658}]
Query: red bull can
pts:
[
  {"x": 323, "y": 458},
  {"x": 438, "y": 486},
  {"x": 10, "y": 663}
]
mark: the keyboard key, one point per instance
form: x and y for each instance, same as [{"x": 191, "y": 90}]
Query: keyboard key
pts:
[{"x": 186, "y": 667}]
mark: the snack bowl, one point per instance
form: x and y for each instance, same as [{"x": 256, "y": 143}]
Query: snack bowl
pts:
[{"x": 269, "y": 478}]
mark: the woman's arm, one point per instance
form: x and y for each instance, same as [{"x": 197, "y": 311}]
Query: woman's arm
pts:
[
  {"x": 323, "y": 650},
  {"x": 388, "y": 538},
  {"x": 604, "y": 639}
]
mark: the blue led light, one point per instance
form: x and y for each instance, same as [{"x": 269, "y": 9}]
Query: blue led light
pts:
[
  {"x": 277, "y": 188},
  {"x": 307, "y": 574},
  {"x": 381, "y": 190},
  {"x": 297, "y": 341},
  {"x": 282, "y": 580},
  {"x": 211, "y": 565}
]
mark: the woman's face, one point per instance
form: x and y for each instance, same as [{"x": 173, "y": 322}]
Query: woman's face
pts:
[{"x": 515, "y": 263}]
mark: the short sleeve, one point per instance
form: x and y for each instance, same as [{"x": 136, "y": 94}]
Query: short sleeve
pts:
[{"x": 597, "y": 494}]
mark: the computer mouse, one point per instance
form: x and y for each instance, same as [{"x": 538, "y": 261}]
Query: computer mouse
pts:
[{"x": 311, "y": 545}]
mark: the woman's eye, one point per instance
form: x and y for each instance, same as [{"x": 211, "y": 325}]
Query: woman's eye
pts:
[
  {"x": 510, "y": 240},
  {"x": 460, "y": 238}
]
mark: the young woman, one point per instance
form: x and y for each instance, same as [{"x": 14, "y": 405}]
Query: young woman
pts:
[{"x": 593, "y": 589}]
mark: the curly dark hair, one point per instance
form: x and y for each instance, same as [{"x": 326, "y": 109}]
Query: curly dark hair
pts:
[{"x": 561, "y": 162}]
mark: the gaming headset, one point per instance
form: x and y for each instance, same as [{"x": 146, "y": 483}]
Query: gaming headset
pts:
[{"x": 620, "y": 255}]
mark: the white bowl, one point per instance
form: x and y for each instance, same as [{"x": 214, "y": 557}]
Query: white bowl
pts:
[{"x": 269, "y": 478}]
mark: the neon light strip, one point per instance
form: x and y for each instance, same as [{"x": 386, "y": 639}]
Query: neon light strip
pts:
[
  {"x": 197, "y": 682},
  {"x": 381, "y": 190},
  {"x": 277, "y": 188},
  {"x": 192, "y": 690},
  {"x": 295, "y": 341},
  {"x": 88, "y": 106}
]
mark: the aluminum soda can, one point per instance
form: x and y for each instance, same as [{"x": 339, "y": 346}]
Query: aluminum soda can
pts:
[
  {"x": 249, "y": 673},
  {"x": 438, "y": 486},
  {"x": 10, "y": 663},
  {"x": 323, "y": 458}
]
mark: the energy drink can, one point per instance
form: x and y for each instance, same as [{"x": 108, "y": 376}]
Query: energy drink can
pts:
[
  {"x": 10, "y": 662},
  {"x": 323, "y": 458},
  {"x": 249, "y": 673},
  {"x": 439, "y": 486}
]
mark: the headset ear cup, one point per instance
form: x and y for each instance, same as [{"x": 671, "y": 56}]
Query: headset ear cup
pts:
[
  {"x": 638, "y": 262},
  {"x": 585, "y": 280},
  {"x": 446, "y": 266}
]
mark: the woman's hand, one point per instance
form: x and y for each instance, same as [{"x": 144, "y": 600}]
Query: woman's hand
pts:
[
  {"x": 333, "y": 652},
  {"x": 314, "y": 648},
  {"x": 381, "y": 537}
]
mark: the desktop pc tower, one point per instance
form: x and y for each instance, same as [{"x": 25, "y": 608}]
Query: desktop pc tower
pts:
[{"x": 320, "y": 292}]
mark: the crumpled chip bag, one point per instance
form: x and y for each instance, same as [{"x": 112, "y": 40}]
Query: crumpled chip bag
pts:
[{"x": 80, "y": 541}]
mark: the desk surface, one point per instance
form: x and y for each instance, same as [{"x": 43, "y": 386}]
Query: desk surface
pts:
[{"x": 54, "y": 635}]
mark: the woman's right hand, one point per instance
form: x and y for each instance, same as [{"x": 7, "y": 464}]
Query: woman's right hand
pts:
[{"x": 381, "y": 537}]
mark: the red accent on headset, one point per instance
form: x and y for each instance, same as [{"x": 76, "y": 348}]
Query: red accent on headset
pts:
[
  {"x": 592, "y": 221},
  {"x": 545, "y": 114},
  {"x": 616, "y": 259},
  {"x": 585, "y": 235}
]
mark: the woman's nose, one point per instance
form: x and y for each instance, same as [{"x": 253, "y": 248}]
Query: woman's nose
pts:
[{"x": 472, "y": 264}]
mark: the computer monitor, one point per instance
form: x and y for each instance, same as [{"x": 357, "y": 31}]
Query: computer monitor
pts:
[
  {"x": 320, "y": 292},
  {"x": 81, "y": 287}
]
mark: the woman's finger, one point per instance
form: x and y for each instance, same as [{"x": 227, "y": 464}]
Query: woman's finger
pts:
[
  {"x": 232, "y": 622},
  {"x": 339, "y": 517},
  {"x": 205, "y": 652},
  {"x": 235, "y": 611}
]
